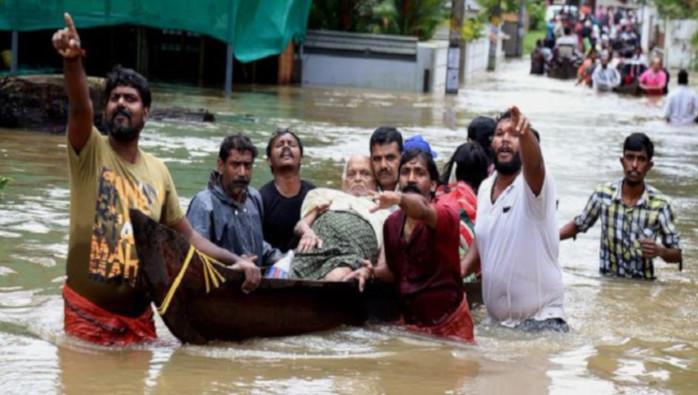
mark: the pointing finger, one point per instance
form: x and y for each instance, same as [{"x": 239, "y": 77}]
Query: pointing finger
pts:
[{"x": 69, "y": 23}]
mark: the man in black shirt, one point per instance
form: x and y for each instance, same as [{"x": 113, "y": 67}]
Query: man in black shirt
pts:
[{"x": 283, "y": 196}]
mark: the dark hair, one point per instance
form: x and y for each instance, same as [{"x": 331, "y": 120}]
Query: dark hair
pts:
[
  {"x": 567, "y": 31},
  {"x": 639, "y": 142},
  {"x": 507, "y": 115},
  {"x": 471, "y": 165},
  {"x": 280, "y": 132},
  {"x": 386, "y": 135},
  {"x": 236, "y": 142},
  {"x": 123, "y": 76},
  {"x": 683, "y": 77},
  {"x": 480, "y": 130},
  {"x": 426, "y": 157}
]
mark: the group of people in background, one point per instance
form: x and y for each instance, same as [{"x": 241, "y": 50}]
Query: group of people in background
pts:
[
  {"x": 490, "y": 214},
  {"x": 606, "y": 51}
]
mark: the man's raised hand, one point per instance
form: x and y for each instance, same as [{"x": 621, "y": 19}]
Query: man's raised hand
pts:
[
  {"x": 385, "y": 199},
  {"x": 519, "y": 121},
  {"x": 66, "y": 41}
]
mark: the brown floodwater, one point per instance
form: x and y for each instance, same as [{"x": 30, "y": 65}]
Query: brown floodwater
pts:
[{"x": 627, "y": 336}]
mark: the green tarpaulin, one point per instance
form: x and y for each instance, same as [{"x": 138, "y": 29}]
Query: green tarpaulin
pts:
[{"x": 255, "y": 28}]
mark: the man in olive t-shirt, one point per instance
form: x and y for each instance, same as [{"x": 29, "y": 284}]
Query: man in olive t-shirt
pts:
[{"x": 108, "y": 176}]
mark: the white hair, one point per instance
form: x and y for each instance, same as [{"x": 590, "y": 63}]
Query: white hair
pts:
[{"x": 346, "y": 163}]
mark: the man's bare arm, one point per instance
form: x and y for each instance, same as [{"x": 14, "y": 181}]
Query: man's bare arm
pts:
[
  {"x": 414, "y": 205},
  {"x": 568, "y": 230},
  {"x": 67, "y": 43},
  {"x": 251, "y": 271},
  {"x": 471, "y": 261},
  {"x": 367, "y": 272},
  {"x": 531, "y": 155}
]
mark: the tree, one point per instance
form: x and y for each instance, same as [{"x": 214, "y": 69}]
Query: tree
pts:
[
  {"x": 677, "y": 9},
  {"x": 407, "y": 17}
]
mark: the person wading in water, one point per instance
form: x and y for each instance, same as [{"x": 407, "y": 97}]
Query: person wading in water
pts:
[{"x": 108, "y": 176}]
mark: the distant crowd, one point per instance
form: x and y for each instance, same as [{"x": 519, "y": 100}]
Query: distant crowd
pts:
[{"x": 604, "y": 51}]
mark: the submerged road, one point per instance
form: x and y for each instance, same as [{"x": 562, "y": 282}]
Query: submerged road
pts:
[{"x": 627, "y": 336}]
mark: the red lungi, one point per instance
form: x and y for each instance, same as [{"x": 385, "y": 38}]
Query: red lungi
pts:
[
  {"x": 457, "y": 326},
  {"x": 87, "y": 321}
]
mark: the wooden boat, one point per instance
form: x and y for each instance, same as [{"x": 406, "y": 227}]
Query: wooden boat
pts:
[{"x": 206, "y": 302}]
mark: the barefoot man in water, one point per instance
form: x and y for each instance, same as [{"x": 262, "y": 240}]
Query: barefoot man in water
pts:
[{"x": 104, "y": 301}]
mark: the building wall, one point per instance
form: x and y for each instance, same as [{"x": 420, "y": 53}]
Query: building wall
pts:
[
  {"x": 678, "y": 52},
  {"x": 380, "y": 73},
  {"x": 476, "y": 53},
  {"x": 362, "y": 72}
]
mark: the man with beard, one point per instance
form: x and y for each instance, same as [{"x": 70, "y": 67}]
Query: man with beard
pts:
[
  {"x": 420, "y": 253},
  {"x": 633, "y": 214},
  {"x": 283, "y": 196},
  {"x": 339, "y": 233},
  {"x": 516, "y": 233},
  {"x": 229, "y": 211},
  {"x": 105, "y": 302},
  {"x": 386, "y": 147}
]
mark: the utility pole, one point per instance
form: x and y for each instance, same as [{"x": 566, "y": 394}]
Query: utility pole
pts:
[
  {"x": 455, "y": 38},
  {"x": 520, "y": 28}
]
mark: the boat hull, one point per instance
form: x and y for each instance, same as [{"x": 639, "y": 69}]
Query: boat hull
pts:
[{"x": 278, "y": 307}]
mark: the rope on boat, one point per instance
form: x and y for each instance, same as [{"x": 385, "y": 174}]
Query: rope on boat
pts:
[{"x": 211, "y": 277}]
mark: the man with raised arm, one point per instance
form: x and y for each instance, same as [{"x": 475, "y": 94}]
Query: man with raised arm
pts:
[
  {"x": 105, "y": 302},
  {"x": 516, "y": 236}
]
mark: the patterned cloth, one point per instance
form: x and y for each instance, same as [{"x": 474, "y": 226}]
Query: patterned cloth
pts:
[
  {"x": 87, "y": 321},
  {"x": 347, "y": 239},
  {"x": 456, "y": 326},
  {"x": 459, "y": 194},
  {"x": 623, "y": 226}
]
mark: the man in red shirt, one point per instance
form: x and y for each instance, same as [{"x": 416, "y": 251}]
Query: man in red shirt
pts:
[{"x": 420, "y": 253}]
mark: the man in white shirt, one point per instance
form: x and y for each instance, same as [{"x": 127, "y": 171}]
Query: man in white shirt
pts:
[
  {"x": 605, "y": 78},
  {"x": 682, "y": 105},
  {"x": 516, "y": 236},
  {"x": 568, "y": 39}
]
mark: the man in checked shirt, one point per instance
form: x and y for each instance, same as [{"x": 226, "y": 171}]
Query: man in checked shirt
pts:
[{"x": 633, "y": 214}]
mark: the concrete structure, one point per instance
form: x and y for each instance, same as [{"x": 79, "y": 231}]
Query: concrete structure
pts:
[
  {"x": 374, "y": 61},
  {"x": 678, "y": 51},
  {"x": 476, "y": 55}
]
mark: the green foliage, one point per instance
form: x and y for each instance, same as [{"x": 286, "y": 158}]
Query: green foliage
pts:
[
  {"x": 408, "y": 17},
  {"x": 530, "y": 39},
  {"x": 420, "y": 17},
  {"x": 472, "y": 29},
  {"x": 677, "y": 9},
  {"x": 536, "y": 14},
  {"x": 495, "y": 8},
  {"x": 380, "y": 18},
  {"x": 4, "y": 181}
]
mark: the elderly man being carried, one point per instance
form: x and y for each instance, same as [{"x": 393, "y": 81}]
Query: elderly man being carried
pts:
[{"x": 338, "y": 231}]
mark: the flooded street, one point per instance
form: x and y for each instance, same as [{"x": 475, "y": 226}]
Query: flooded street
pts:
[{"x": 627, "y": 336}]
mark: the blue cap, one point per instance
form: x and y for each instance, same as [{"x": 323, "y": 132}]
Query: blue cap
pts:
[{"x": 418, "y": 142}]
